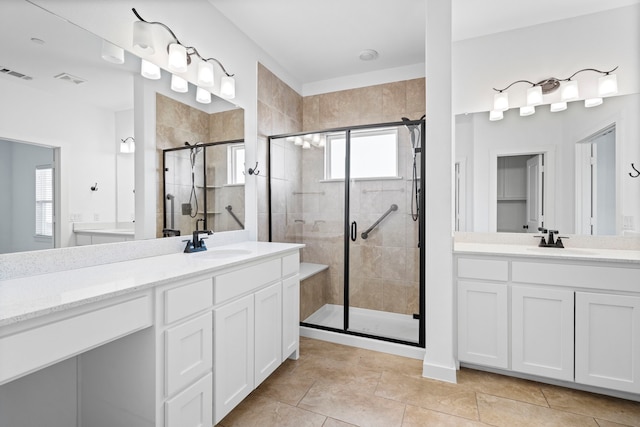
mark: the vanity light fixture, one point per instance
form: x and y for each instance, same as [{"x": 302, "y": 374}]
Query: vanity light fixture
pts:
[
  {"x": 607, "y": 86},
  {"x": 180, "y": 58},
  {"x": 178, "y": 84}
]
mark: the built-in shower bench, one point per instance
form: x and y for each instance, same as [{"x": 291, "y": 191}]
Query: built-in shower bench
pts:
[{"x": 308, "y": 269}]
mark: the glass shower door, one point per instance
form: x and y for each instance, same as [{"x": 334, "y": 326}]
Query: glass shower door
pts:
[{"x": 383, "y": 272}]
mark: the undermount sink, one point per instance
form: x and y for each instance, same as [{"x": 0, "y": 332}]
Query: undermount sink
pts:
[
  {"x": 560, "y": 251},
  {"x": 222, "y": 253}
]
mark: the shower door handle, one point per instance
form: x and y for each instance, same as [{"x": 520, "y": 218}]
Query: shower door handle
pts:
[{"x": 354, "y": 231}]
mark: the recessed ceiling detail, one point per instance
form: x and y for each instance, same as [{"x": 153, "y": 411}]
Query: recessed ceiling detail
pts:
[
  {"x": 70, "y": 78},
  {"x": 13, "y": 73},
  {"x": 369, "y": 55}
]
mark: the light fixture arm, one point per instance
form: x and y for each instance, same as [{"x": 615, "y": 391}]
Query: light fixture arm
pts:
[
  {"x": 590, "y": 69},
  {"x": 552, "y": 83},
  {"x": 190, "y": 49},
  {"x": 517, "y": 81},
  {"x": 124, "y": 141}
]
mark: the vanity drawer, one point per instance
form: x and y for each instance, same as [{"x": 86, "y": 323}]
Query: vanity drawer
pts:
[
  {"x": 188, "y": 299},
  {"x": 290, "y": 264},
  {"x": 236, "y": 283},
  {"x": 36, "y": 348},
  {"x": 483, "y": 269},
  {"x": 578, "y": 275},
  {"x": 193, "y": 407},
  {"x": 189, "y": 348}
]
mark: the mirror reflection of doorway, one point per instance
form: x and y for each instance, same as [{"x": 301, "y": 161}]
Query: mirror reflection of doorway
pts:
[
  {"x": 520, "y": 192},
  {"x": 596, "y": 183},
  {"x": 28, "y": 181}
]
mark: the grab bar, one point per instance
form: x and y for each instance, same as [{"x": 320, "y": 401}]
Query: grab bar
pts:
[
  {"x": 230, "y": 210},
  {"x": 365, "y": 234}
]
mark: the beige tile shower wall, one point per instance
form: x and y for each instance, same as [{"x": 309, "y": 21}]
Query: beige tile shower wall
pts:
[
  {"x": 176, "y": 123},
  {"x": 279, "y": 112},
  {"x": 374, "y": 104}
]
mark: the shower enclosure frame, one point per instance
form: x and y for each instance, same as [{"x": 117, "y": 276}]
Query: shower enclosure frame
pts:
[
  {"x": 204, "y": 146},
  {"x": 421, "y": 226}
]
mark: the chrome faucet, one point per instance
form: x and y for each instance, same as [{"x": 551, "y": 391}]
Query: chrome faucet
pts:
[
  {"x": 551, "y": 242},
  {"x": 197, "y": 243}
]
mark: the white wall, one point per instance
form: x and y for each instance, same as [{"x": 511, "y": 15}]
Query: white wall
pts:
[
  {"x": 125, "y": 170},
  {"x": 556, "y": 49},
  {"x": 85, "y": 136}
]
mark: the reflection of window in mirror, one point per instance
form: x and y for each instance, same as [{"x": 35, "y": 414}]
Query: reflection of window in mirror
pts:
[
  {"x": 519, "y": 193},
  {"x": 235, "y": 164},
  {"x": 44, "y": 201},
  {"x": 596, "y": 183}
]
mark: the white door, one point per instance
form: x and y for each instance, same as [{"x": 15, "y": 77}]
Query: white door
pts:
[
  {"x": 542, "y": 332},
  {"x": 233, "y": 354},
  {"x": 483, "y": 323},
  {"x": 535, "y": 185},
  {"x": 268, "y": 331},
  {"x": 608, "y": 341}
]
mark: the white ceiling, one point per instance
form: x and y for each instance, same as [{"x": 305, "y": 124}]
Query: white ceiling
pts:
[{"x": 319, "y": 40}]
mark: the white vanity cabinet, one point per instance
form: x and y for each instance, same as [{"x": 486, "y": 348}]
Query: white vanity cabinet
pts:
[
  {"x": 570, "y": 320},
  {"x": 542, "y": 331},
  {"x": 185, "y": 352},
  {"x": 256, "y": 327},
  {"x": 608, "y": 340}
]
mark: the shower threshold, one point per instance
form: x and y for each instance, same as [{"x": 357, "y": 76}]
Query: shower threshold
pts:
[{"x": 372, "y": 322}]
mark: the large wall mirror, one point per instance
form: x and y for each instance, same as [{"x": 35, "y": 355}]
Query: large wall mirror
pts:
[
  {"x": 582, "y": 183},
  {"x": 64, "y": 117}
]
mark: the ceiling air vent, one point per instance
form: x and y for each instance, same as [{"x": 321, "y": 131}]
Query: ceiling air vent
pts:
[
  {"x": 70, "y": 78},
  {"x": 13, "y": 73}
]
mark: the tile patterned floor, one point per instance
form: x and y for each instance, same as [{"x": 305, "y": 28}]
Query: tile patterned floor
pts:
[{"x": 338, "y": 386}]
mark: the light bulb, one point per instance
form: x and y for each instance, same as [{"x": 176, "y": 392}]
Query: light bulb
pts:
[
  {"x": 534, "y": 96},
  {"x": 607, "y": 85},
  {"x": 178, "y": 84},
  {"x": 143, "y": 38},
  {"x": 177, "y": 58},
  {"x": 495, "y": 115},
  {"x": 592, "y": 102},
  {"x": 228, "y": 87},
  {"x": 203, "y": 96},
  {"x": 501, "y": 101},
  {"x": 527, "y": 110},
  {"x": 569, "y": 91},
  {"x": 205, "y": 74},
  {"x": 306, "y": 145},
  {"x": 558, "y": 106},
  {"x": 149, "y": 70},
  {"x": 112, "y": 53}
]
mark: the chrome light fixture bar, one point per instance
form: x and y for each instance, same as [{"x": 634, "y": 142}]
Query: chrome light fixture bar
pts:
[
  {"x": 179, "y": 59},
  {"x": 607, "y": 86}
]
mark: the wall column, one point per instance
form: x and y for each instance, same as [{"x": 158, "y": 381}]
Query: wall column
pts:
[{"x": 439, "y": 362}]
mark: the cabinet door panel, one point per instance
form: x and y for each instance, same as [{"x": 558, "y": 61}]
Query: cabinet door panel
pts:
[
  {"x": 542, "y": 332},
  {"x": 290, "y": 317},
  {"x": 233, "y": 354},
  {"x": 189, "y": 352},
  {"x": 608, "y": 341},
  {"x": 192, "y": 407},
  {"x": 482, "y": 324},
  {"x": 268, "y": 331}
]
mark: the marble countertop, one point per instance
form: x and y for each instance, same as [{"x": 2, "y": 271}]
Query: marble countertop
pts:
[
  {"x": 532, "y": 251},
  {"x": 33, "y": 296}
]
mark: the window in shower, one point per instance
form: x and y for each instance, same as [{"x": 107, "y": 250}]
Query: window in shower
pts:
[{"x": 374, "y": 154}]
